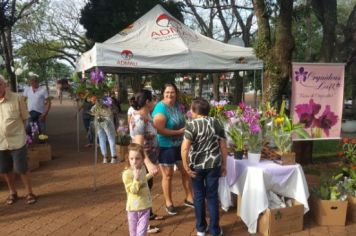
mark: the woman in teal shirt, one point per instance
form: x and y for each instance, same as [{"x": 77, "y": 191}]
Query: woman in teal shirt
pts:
[{"x": 169, "y": 122}]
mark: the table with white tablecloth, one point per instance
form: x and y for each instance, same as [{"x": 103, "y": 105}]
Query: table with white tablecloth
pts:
[{"x": 252, "y": 182}]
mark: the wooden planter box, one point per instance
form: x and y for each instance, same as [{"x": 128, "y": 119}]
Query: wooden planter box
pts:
[
  {"x": 41, "y": 152},
  {"x": 32, "y": 159},
  {"x": 122, "y": 152},
  {"x": 351, "y": 211}
]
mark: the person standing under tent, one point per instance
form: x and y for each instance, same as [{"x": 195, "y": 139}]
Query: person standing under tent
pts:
[
  {"x": 205, "y": 145},
  {"x": 169, "y": 122},
  {"x": 143, "y": 132}
]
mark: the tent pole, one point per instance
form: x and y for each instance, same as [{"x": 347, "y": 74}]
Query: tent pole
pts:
[
  {"x": 254, "y": 86},
  {"x": 95, "y": 151},
  {"x": 78, "y": 125}
]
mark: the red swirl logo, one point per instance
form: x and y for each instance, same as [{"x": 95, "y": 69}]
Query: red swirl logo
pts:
[{"x": 126, "y": 54}]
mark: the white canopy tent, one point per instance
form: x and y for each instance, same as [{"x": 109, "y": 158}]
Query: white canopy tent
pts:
[{"x": 157, "y": 42}]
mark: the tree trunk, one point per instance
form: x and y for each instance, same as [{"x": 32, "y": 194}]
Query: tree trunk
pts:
[
  {"x": 283, "y": 49},
  {"x": 6, "y": 41},
  {"x": 122, "y": 89},
  {"x": 326, "y": 12},
  {"x": 216, "y": 84},
  {"x": 308, "y": 24},
  {"x": 136, "y": 83},
  {"x": 238, "y": 88},
  {"x": 192, "y": 85},
  {"x": 353, "y": 75},
  {"x": 200, "y": 88}
]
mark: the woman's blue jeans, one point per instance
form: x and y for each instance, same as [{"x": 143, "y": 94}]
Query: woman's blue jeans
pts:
[
  {"x": 106, "y": 132},
  {"x": 205, "y": 186}
]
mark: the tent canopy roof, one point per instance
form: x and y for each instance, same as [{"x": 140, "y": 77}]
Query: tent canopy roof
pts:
[{"x": 158, "y": 42}]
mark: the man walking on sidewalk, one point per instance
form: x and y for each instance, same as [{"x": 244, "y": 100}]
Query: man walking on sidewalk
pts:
[{"x": 13, "y": 149}]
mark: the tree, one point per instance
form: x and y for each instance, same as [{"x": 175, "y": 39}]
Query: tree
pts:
[
  {"x": 274, "y": 47},
  {"x": 325, "y": 11},
  {"x": 10, "y": 13},
  {"x": 55, "y": 28},
  {"x": 235, "y": 20},
  {"x": 103, "y": 19},
  {"x": 339, "y": 36}
]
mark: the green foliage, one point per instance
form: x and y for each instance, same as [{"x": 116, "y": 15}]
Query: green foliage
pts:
[
  {"x": 185, "y": 100},
  {"x": 283, "y": 130},
  {"x": 157, "y": 81},
  {"x": 330, "y": 188},
  {"x": 238, "y": 137},
  {"x": 103, "y": 19},
  {"x": 38, "y": 52}
]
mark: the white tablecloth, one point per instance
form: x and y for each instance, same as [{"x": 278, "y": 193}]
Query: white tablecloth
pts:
[{"x": 253, "y": 181}]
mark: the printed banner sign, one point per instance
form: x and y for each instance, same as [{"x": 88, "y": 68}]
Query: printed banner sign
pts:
[{"x": 317, "y": 98}]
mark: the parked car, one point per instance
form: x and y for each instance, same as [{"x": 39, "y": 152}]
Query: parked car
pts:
[{"x": 348, "y": 104}]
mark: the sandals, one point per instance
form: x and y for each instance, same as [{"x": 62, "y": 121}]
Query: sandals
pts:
[
  {"x": 152, "y": 229},
  {"x": 31, "y": 198},
  {"x": 153, "y": 216},
  {"x": 11, "y": 199}
]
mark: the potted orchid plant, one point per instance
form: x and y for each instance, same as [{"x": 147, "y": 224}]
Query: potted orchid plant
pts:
[
  {"x": 238, "y": 138},
  {"x": 123, "y": 139},
  {"x": 282, "y": 133},
  {"x": 252, "y": 123}
]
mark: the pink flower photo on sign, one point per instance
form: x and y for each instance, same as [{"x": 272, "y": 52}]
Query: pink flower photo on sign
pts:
[{"x": 317, "y": 98}]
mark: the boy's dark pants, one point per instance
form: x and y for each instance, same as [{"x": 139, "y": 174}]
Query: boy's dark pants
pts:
[{"x": 205, "y": 186}]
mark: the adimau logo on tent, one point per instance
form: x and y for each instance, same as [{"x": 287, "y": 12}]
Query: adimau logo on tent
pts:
[
  {"x": 126, "y": 54},
  {"x": 126, "y": 58},
  {"x": 164, "y": 20},
  {"x": 171, "y": 29},
  {"x": 127, "y": 30}
]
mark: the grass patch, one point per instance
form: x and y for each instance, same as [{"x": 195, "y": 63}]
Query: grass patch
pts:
[{"x": 325, "y": 148}]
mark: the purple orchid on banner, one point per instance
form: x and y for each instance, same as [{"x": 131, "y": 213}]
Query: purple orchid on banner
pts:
[
  {"x": 301, "y": 74},
  {"x": 107, "y": 101},
  {"x": 306, "y": 112},
  {"x": 97, "y": 76},
  {"x": 326, "y": 120}
]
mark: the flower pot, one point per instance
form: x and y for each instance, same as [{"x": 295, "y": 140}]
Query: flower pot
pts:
[
  {"x": 254, "y": 157},
  {"x": 122, "y": 151},
  {"x": 288, "y": 158},
  {"x": 238, "y": 155}
]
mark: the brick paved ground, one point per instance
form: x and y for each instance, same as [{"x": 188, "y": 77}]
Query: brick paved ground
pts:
[{"x": 68, "y": 206}]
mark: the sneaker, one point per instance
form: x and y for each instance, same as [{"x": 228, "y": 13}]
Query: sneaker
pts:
[
  {"x": 113, "y": 160},
  {"x": 171, "y": 210},
  {"x": 221, "y": 232},
  {"x": 188, "y": 203},
  {"x": 152, "y": 229},
  {"x": 203, "y": 233},
  {"x": 105, "y": 160}
]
